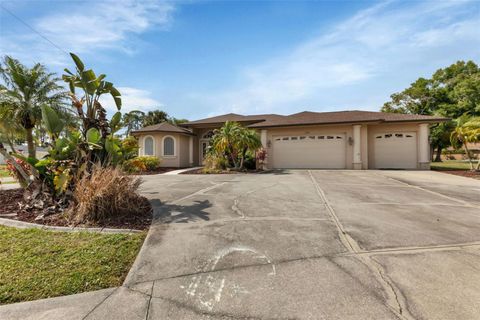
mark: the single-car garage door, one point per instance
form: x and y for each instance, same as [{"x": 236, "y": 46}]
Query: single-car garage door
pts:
[
  {"x": 395, "y": 150},
  {"x": 309, "y": 151}
]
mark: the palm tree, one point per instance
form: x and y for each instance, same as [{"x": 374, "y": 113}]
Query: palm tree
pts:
[
  {"x": 224, "y": 141},
  {"x": 233, "y": 141},
  {"x": 248, "y": 140},
  {"x": 133, "y": 120},
  {"x": 154, "y": 117},
  {"x": 23, "y": 93},
  {"x": 467, "y": 131}
]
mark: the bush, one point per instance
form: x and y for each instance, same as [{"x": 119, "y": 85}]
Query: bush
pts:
[
  {"x": 141, "y": 164},
  {"x": 107, "y": 194},
  {"x": 214, "y": 163},
  {"x": 250, "y": 162}
]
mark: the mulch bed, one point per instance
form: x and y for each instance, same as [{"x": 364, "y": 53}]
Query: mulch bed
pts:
[
  {"x": 200, "y": 171},
  {"x": 463, "y": 173},
  {"x": 10, "y": 209}
]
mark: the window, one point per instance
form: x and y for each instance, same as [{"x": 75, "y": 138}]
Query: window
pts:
[
  {"x": 388, "y": 135},
  {"x": 293, "y": 138},
  {"x": 330, "y": 137},
  {"x": 398, "y": 135},
  {"x": 338, "y": 137},
  {"x": 168, "y": 146},
  {"x": 409, "y": 136},
  {"x": 148, "y": 146},
  {"x": 321, "y": 137},
  {"x": 302, "y": 138},
  {"x": 378, "y": 137},
  {"x": 208, "y": 135},
  {"x": 311, "y": 137},
  {"x": 285, "y": 138}
]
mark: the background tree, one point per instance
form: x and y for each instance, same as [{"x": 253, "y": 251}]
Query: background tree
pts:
[
  {"x": 450, "y": 92},
  {"x": 133, "y": 120},
  {"x": 24, "y": 91},
  {"x": 154, "y": 117}
]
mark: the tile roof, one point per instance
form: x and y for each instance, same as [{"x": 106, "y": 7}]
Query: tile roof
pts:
[
  {"x": 163, "y": 127},
  {"x": 301, "y": 118},
  {"x": 309, "y": 117}
]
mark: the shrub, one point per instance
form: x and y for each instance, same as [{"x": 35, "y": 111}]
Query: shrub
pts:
[
  {"x": 250, "y": 162},
  {"x": 214, "y": 163},
  {"x": 107, "y": 194},
  {"x": 141, "y": 164}
]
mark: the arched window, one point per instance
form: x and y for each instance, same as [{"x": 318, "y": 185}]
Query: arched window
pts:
[
  {"x": 168, "y": 146},
  {"x": 208, "y": 135},
  {"x": 148, "y": 146}
]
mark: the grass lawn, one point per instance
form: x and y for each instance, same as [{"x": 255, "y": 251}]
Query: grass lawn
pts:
[
  {"x": 3, "y": 171},
  {"x": 36, "y": 264},
  {"x": 451, "y": 165}
]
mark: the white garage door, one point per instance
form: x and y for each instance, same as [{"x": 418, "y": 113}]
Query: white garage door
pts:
[
  {"x": 396, "y": 150},
  {"x": 309, "y": 151}
]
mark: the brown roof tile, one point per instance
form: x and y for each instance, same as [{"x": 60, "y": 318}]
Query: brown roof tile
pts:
[
  {"x": 163, "y": 127},
  {"x": 308, "y": 117}
]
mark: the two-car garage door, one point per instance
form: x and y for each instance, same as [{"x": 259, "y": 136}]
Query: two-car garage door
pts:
[{"x": 310, "y": 151}]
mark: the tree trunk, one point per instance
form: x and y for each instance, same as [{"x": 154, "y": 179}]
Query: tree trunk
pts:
[
  {"x": 10, "y": 144},
  {"x": 23, "y": 176},
  {"x": 30, "y": 143},
  {"x": 432, "y": 149},
  {"x": 438, "y": 155},
  {"x": 468, "y": 156}
]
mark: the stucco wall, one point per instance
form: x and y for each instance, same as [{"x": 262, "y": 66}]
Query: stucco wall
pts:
[
  {"x": 183, "y": 151},
  {"x": 170, "y": 161}
]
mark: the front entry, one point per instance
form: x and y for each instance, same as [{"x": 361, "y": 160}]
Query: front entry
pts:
[{"x": 203, "y": 149}]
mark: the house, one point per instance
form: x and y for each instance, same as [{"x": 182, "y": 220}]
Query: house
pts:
[{"x": 329, "y": 140}]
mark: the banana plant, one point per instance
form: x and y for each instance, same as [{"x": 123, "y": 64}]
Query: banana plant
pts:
[{"x": 92, "y": 88}]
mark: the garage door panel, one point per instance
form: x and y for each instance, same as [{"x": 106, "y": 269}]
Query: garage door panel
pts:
[
  {"x": 395, "y": 150},
  {"x": 313, "y": 151}
]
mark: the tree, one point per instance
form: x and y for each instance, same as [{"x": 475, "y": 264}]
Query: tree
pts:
[
  {"x": 154, "y": 117},
  {"x": 450, "y": 92},
  {"x": 232, "y": 141},
  {"x": 23, "y": 93},
  {"x": 467, "y": 131},
  {"x": 133, "y": 120}
]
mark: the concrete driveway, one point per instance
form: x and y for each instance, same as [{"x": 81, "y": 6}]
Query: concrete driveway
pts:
[{"x": 306, "y": 245}]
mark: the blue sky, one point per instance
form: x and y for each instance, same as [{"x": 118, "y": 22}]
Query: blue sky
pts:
[{"x": 201, "y": 58}]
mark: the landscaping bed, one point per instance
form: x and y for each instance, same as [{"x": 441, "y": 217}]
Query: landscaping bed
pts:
[
  {"x": 10, "y": 208},
  {"x": 456, "y": 167},
  {"x": 37, "y": 264}
]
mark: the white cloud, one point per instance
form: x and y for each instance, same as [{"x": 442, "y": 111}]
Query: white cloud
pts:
[
  {"x": 132, "y": 99},
  {"x": 88, "y": 27},
  {"x": 382, "y": 44}
]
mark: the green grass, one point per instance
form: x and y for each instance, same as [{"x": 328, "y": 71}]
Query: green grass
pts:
[
  {"x": 36, "y": 264},
  {"x": 3, "y": 171},
  {"x": 451, "y": 165}
]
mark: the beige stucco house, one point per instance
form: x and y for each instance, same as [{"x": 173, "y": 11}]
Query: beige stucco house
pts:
[{"x": 329, "y": 140}]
